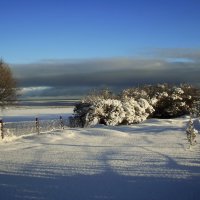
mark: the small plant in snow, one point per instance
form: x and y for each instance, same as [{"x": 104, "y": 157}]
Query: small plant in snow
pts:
[{"x": 191, "y": 133}]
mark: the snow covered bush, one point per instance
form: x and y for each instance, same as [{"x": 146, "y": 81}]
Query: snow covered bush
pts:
[
  {"x": 84, "y": 110},
  {"x": 110, "y": 111},
  {"x": 103, "y": 111},
  {"x": 106, "y": 111},
  {"x": 172, "y": 101},
  {"x": 136, "y": 111},
  {"x": 134, "y": 105}
]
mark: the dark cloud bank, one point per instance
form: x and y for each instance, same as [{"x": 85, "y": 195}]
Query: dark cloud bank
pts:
[{"x": 77, "y": 77}]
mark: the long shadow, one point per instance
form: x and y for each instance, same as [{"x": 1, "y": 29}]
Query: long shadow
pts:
[
  {"x": 172, "y": 164},
  {"x": 49, "y": 183},
  {"x": 103, "y": 186},
  {"x": 148, "y": 129}
]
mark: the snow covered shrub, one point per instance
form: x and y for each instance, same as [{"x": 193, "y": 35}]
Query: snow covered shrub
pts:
[
  {"x": 106, "y": 111},
  {"x": 103, "y": 111},
  {"x": 111, "y": 112},
  {"x": 136, "y": 111},
  {"x": 84, "y": 110},
  {"x": 172, "y": 101},
  {"x": 134, "y": 105},
  {"x": 167, "y": 100}
]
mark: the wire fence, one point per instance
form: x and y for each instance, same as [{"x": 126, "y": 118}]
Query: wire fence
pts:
[{"x": 31, "y": 127}]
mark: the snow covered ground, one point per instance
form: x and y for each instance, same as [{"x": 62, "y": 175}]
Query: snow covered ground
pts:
[{"x": 144, "y": 161}]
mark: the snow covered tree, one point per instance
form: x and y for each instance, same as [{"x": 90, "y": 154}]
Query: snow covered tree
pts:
[{"x": 8, "y": 91}]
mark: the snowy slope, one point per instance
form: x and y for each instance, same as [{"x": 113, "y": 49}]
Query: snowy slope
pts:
[{"x": 145, "y": 161}]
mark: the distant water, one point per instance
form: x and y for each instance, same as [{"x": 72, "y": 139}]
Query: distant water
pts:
[
  {"x": 26, "y": 118},
  {"x": 48, "y": 102}
]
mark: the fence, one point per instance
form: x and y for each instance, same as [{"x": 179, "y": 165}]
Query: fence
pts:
[{"x": 30, "y": 127}]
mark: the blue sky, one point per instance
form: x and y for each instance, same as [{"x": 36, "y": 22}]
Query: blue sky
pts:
[
  {"x": 34, "y": 30},
  {"x": 68, "y": 47}
]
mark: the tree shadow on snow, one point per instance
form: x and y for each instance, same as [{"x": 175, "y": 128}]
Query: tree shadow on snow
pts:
[
  {"x": 38, "y": 181},
  {"x": 100, "y": 187}
]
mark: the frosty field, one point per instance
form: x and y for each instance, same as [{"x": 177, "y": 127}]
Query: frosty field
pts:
[{"x": 143, "y": 161}]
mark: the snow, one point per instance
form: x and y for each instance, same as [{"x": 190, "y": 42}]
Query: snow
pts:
[
  {"x": 29, "y": 114},
  {"x": 150, "y": 160},
  {"x": 25, "y": 111}
]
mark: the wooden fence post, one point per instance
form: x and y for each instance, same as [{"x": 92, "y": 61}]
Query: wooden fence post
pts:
[
  {"x": 37, "y": 125},
  {"x": 61, "y": 122},
  {"x": 1, "y": 128}
]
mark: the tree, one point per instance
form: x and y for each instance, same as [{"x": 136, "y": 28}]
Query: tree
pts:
[{"x": 8, "y": 90}]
